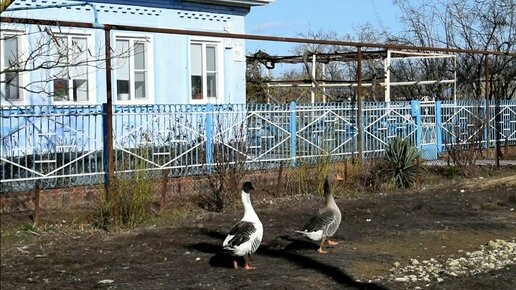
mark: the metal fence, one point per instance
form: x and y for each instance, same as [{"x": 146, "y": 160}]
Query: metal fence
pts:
[{"x": 61, "y": 146}]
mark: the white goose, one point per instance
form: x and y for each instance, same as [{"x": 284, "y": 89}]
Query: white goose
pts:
[
  {"x": 245, "y": 237},
  {"x": 326, "y": 222}
]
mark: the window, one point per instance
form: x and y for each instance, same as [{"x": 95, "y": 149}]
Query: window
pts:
[
  {"x": 70, "y": 69},
  {"x": 10, "y": 56},
  {"x": 203, "y": 70},
  {"x": 132, "y": 80}
]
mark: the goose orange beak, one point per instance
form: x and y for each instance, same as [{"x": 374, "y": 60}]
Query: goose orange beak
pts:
[{"x": 338, "y": 177}]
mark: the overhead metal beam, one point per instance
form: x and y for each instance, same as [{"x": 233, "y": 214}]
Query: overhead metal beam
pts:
[{"x": 250, "y": 36}]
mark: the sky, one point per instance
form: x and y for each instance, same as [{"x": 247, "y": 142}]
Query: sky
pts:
[{"x": 291, "y": 18}]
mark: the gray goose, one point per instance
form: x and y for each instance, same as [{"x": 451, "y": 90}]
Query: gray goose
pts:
[
  {"x": 245, "y": 236},
  {"x": 325, "y": 223}
]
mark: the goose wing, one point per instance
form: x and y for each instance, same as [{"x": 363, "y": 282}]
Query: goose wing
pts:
[
  {"x": 321, "y": 220},
  {"x": 239, "y": 234}
]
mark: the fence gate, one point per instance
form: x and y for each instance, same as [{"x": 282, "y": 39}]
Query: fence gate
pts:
[{"x": 428, "y": 131}]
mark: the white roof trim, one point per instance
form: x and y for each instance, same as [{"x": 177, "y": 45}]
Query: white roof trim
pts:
[{"x": 241, "y": 3}]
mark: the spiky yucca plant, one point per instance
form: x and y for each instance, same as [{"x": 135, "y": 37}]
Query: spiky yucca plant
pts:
[{"x": 400, "y": 165}]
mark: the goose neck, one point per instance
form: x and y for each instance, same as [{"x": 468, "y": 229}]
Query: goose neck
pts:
[
  {"x": 329, "y": 200},
  {"x": 248, "y": 207}
]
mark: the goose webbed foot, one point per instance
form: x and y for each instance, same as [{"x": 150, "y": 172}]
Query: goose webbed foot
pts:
[
  {"x": 248, "y": 263},
  {"x": 321, "y": 250},
  {"x": 332, "y": 243}
]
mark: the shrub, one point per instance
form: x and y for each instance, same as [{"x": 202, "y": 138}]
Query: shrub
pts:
[
  {"x": 308, "y": 178},
  {"x": 129, "y": 204},
  {"x": 400, "y": 163},
  {"x": 224, "y": 176},
  {"x": 452, "y": 172},
  {"x": 367, "y": 175}
]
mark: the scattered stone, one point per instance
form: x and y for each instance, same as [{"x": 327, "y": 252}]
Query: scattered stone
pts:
[
  {"x": 496, "y": 254},
  {"x": 106, "y": 281}
]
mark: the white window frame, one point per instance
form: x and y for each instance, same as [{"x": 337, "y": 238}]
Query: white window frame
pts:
[
  {"x": 149, "y": 61},
  {"x": 219, "y": 62},
  {"x": 22, "y": 76},
  {"x": 91, "y": 75}
]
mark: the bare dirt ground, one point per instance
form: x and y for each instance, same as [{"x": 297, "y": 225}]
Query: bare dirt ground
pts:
[{"x": 376, "y": 231}]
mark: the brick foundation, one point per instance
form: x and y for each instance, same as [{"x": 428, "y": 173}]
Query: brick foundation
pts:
[{"x": 88, "y": 196}]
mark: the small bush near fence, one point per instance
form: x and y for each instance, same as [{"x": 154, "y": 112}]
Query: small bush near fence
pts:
[
  {"x": 399, "y": 166},
  {"x": 129, "y": 205}
]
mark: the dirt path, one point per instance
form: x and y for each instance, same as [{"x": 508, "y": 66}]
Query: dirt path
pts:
[{"x": 373, "y": 235}]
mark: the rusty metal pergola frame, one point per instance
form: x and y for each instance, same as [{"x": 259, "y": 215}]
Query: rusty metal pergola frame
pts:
[{"x": 385, "y": 56}]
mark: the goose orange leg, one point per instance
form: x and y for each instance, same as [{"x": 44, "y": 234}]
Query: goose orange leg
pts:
[
  {"x": 332, "y": 243},
  {"x": 320, "y": 250},
  {"x": 235, "y": 264},
  {"x": 248, "y": 263}
]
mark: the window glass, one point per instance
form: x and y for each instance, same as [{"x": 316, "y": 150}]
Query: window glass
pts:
[
  {"x": 80, "y": 69},
  {"x": 70, "y": 71},
  {"x": 196, "y": 71},
  {"x": 80, "y": 58},
  {"x": 80, "y": 90},
  {"x": 203, "y": 67},
  {"x": 60, "y": 55},
  {"x": 61, "y": 89},
  {"x": 211, "y": 74},
  {"x": 11, "y": 51},
  {"x": 131, "y": 69},
  {"x": 210, "y": 58},
  {"x": 139, "y": 85},
  {"x": 139, "y": 55},
  {"x": 12, "y": 86},
  {"x": 122, "y": 69},
  {"x": 10, "y": 61},
  {"x": 211, "y": 79}
]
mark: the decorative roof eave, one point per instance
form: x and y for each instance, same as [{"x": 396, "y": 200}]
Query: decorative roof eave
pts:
[{"x": 238, "y": 3}]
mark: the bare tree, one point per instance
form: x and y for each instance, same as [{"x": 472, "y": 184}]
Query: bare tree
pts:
[
  {"x": 471, "y": 24},
  {"x": 61, "y": 62}
]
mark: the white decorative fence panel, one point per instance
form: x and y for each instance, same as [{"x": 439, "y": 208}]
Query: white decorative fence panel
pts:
[{"x": 64, "y": 145}]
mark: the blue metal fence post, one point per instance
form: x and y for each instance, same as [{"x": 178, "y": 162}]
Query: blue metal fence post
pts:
[
  {"x": 416, "y": 113},
  {"x": 293, "y": 132},
  {"x": 209, "y": 136},
  {"x": 486, "y": 123},
  {"x": 438, "y": 127}
]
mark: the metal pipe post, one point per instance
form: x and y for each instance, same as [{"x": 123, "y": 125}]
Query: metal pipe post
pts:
[
  {"x": 488, "y": 104},
  {"x": 110, "y": 162},
  {"x": 359, "y": 103},
  {"x": 387, "y": 69},
  {"x": 312, "y": 93}
]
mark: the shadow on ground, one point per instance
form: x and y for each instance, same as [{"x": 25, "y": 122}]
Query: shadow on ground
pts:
[{"x": 224, "y": 260}]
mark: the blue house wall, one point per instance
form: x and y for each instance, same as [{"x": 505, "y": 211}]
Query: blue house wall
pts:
[{"x": 170, "y": 54}]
